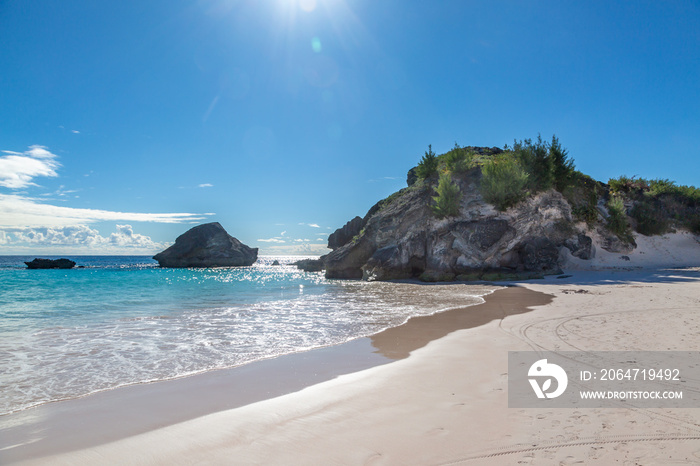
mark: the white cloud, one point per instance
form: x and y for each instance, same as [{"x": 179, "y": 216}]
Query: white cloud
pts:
[
  {"x": 283, "y": 233},
  {"x": 79, "y": 237},
  {"x": 125, "y": 237},
  {"x": 312, "y": 225},
  {"x": 31, "y": 222},
  {"x": 374, "y": 180},
  {"x": 18, "y": 169},
  {"x": 75, "y": 131},
  {"x": 21, "y": 212},
  {"x": 272, "y": 240},
  {"x": 205, "y": 185},
  {"x": 61, "y": 192}
]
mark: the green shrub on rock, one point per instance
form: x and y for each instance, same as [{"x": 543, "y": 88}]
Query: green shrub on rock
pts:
[
  {"x": 617, "y": 219},
  {"x": 504, "y": 181},
  {"x": 535, "y": 160},
  {"x": 563, "y": 166},
  {"x": 651, "y": 219},
  {"x": 428, "y": 164},
  {"x": 459, "y": 160},
  {"x": 447, "y": 197}
]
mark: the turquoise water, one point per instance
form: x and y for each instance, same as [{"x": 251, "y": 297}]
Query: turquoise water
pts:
[{"x": 123, "y": 320}]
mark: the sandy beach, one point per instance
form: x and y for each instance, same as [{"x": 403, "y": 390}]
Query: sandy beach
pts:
[
  {"x": 433, "y": 391},
  {"x": 447, "y": 403}
]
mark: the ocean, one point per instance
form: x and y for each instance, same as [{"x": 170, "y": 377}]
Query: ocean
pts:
[{"x": 122, "y": 320}]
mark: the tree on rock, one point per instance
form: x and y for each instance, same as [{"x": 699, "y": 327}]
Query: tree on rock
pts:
[
  {"x": 447, "y": 198},
  {"x": 428, "y": 164}
]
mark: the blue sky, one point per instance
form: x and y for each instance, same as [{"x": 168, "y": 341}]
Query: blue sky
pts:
[{"x": 122, "y": 124}]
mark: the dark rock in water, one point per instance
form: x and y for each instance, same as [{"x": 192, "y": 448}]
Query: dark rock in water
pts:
[
  {"x": 343, "y": 235},
  {"x": 276, "y": 262},
  {"x": 207, "y": 245},
  {"x": 50, "y": 264},
  {"x": 310, "y": 265}
]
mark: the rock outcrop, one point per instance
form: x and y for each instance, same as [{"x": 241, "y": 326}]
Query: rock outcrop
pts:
[
  {"x": 207, "y": 245},
  {"x": 347, "y": 232},
  {"x": 50, "y": 264},
  {"x": 402, "y": 238},
  {"x": 309, "y": 265}
]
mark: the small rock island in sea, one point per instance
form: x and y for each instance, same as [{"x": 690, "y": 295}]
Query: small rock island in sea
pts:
[
  {"x": 50, "y": 264},
  {"x": 207, "y": 245}
]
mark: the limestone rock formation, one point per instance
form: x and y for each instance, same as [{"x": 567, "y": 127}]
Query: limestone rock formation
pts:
[
  {"x": 402, "y": 238},
  {"x": 341, "y": 236},
  {"x": 50, "y": 264},
  {"x": 207, "y": 245}
]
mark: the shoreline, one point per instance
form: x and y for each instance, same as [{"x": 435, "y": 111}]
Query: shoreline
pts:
[
  {"x": 139, "y": 408},
  {"x": 326, "y": 347},
  {"x": 447, "y": 401}
]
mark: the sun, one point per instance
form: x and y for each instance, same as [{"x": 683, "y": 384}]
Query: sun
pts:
[{"x": 307, "y": 5}]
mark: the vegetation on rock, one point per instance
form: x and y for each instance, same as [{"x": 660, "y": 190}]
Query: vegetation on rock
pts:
[
  {"x": 447, "y": 197},
  {"x": 504, "y": 181},
  {"x": 617, "y": 218},
  {"x": 428, "y": 165},
  {"x": 659, "y": 205},
  {"x": 508, "y": 176},
  {"x": 459, "y": 160}
]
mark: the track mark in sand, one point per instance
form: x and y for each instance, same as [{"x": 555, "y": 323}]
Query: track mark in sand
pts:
[
  {"x": 570, "y": 460},
  {"x": 436, "y": 431},
  {"x": 374, "y": 459},
  {"x": 514, "y": 449}
]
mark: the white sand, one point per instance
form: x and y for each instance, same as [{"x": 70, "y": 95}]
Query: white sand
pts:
[
  {"x": 680, "y": 249},
  {"x": 447, "y": 403}
]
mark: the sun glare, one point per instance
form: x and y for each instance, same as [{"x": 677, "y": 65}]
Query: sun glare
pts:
[{"x": 307, "y": 5}]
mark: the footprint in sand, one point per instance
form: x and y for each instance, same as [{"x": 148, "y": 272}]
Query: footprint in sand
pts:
[
  {"x": 436, "y": 431},
  {"x": 374, "y": 459},
  {"x": 696, "y": 454},
  {"x": 595, "y": 453},
  {"x": 570, "y": 460}
]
